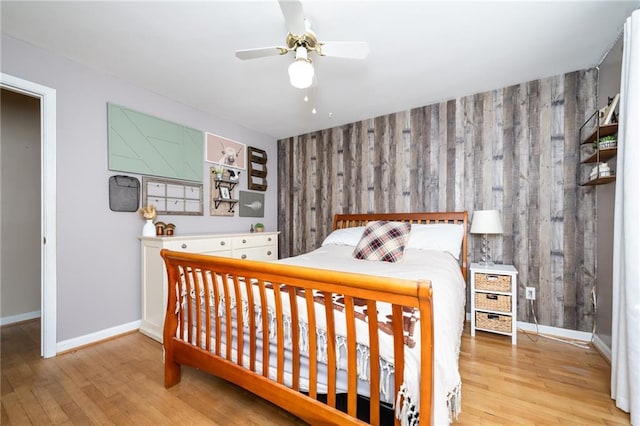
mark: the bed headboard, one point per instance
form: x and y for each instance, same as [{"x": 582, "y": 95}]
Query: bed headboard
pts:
[{"x": 361, "y": 219}]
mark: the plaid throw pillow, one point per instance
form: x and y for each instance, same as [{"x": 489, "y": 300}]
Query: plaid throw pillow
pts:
[{"x": 383, "y": 240}]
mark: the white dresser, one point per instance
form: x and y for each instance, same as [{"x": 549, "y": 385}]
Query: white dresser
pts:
[{"x": 255, "y": 246}]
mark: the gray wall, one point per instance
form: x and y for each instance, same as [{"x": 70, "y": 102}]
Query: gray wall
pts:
[
  {"x": 608, "y": 86},
  {"x": 20, "y": 201},
  {"x": 513, "y": 149},
  {"x": 98, "y": 250}
]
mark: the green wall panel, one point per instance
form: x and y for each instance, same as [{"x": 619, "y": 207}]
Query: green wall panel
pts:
[{"x": 140, "y": 143}]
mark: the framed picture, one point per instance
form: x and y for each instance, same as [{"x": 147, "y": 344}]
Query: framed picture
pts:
[
  {"x": 226, "y": 152},
  {"x": 224, "y": 193},
  {"x": 251, "y": 204}
]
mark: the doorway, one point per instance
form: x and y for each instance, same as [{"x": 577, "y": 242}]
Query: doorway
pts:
[{"x": 47, "y": 237}]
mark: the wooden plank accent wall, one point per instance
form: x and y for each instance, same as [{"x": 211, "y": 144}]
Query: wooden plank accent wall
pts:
[{"x": 513, "y": 149}]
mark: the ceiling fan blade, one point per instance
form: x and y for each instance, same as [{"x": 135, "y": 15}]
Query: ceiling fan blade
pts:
[
  {"x": 261, "y": 52},
  {"x": 345, "y": 49},
  {"x": 293, "y": 16}
]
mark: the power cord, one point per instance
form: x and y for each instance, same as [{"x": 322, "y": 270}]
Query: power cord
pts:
[{"x": 568, "y": 342}]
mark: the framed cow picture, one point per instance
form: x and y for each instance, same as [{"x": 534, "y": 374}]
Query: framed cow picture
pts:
[{"x": 226, "y": 152}]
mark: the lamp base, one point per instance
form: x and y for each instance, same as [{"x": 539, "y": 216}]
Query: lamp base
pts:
[{"x": 486, "y": 252}]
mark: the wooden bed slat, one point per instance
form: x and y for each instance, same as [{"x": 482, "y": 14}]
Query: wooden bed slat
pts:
[
  {"x": 279, "y": 334},
  {"x": 207, "y": 307},
  {"x": 313, "y": 344},
  {"x": 264, "y": 314},
  {"x": 352, "y": 357},
  {"x": 331, "y": 350},
  {"x": 398, "y": 349},
  {"x": 227, "y": 312},
  {"x": 295, "y": 337},
  {"x": 239, "y": 321},
  {"x": 374, "y": 367},
  {"x": 252, "y": 325}
]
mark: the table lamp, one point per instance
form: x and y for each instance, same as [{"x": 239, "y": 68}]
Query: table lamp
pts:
[{"x": 486, "y": 222}]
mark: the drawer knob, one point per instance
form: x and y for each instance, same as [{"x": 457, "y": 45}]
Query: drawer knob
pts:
[
  {"x": 244, "y": 241},
  {"x": 222, "y": 243},
  {"x": 184, "y": 246},
  {"x": 244, "y": 256},
  {"x": 269, "y": 239},
  {"x": 269, "y": 253}
]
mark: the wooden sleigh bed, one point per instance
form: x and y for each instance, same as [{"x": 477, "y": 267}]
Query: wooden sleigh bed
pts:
[{"x": 303, "y": 338}]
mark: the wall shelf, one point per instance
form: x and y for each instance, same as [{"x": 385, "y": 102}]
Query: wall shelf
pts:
[{"x": 600, "y": 155}]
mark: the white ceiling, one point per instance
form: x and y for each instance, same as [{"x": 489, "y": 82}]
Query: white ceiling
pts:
[{"x": 421, "y": 52}]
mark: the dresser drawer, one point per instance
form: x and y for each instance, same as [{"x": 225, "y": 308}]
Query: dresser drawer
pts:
[
  {"x": 493, "y": 282},
  {"x": 256, "y": 253},
  {"x": 253, "y": 241},
  {"x": 208, "y": 245}
]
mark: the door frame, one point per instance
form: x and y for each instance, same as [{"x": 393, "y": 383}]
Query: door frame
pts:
[{"x": 48, "y": 262}]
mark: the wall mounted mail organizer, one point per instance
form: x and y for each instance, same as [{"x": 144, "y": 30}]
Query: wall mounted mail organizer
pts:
[
  {"x": 257, "y": 169},
  {"x": 171, "y": 196}
]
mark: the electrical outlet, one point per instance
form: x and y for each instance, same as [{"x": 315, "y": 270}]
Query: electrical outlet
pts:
[{"x": 530, "y": 293}]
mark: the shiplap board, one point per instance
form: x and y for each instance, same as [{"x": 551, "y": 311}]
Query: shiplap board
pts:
[{"x": 513, "y": 149}]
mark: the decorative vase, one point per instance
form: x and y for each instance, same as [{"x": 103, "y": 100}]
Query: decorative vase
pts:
[{"x": 149, "y": 229}]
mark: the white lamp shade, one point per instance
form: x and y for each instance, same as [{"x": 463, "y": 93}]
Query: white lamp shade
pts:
[
  {"x": 301, "y": 70},
  {"x": 301, "y": 74},
  {"x": 486, "y": 222}
]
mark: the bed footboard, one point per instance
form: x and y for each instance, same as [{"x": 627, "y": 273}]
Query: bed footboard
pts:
[{"x": 289, "y": 334}]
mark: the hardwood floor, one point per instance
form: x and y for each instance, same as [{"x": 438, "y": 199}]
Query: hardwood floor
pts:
[{"x": 120, "y": 381}]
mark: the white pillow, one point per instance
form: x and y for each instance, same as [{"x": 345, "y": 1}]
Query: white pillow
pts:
[
  {"x": 437, "y": 236},
  {"x": 345, "y": 236}
]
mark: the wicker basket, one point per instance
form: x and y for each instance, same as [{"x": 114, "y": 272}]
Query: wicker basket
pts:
[
  {"x": 493, "y": 302},
  {"x": 493, "y": 282},
  {"x": 494, "y": 322}
]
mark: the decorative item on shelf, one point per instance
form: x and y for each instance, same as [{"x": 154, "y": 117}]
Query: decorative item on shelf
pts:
[
  {"x": 606, "y": 142},
  {"x": 170, "y": 228},
  {"x": 251, "y": 229},
  {"x": 486, "y": 222},
  {"x": 148, "y": 213},
  {"x": 160, "y": 227},
  {"x": 234, "y": 176},
  {"x": 601, "y": 170},
  {"x": 218, "y": 170},
  {"x": 259, "y": 227},
  {"x": 608, "y": 113}
]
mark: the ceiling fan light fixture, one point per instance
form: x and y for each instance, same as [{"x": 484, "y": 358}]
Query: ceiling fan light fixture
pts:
[{"x": 301, "y": 70}]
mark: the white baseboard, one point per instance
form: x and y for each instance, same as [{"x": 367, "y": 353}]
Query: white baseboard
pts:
[
  {"x": 584, "y": 336},
  {"x": 19, "y": 318},
  {"x": 602, "y": 347},
  {"x": 76, "y": 342},
  {"x": 552, "y": 331}
]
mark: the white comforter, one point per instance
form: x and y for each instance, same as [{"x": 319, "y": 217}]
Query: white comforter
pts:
[{"x": 448, "y": 306}]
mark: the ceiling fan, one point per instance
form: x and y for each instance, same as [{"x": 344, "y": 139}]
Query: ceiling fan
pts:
[{"x": 303, "y": 41}]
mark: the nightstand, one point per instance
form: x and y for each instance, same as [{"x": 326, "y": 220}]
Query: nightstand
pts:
[{"x": 494, "y": 299}]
